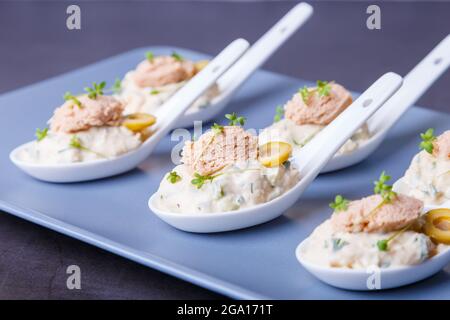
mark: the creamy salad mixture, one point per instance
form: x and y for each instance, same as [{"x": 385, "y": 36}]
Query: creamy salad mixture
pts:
[
  {"x": 309, "y": 111},
  {"x": 88, "y": 127},
  {"x": 224, "y": 170},
  {"x": 156, "y": 79},
  {"x": 428, "y": 176},
  {"x": 383, "y": 230}
]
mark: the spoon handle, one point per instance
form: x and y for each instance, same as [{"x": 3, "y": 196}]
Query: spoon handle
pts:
[
  {"x": 315, "y": 155},
  {"x": 262, "y": 49},
  {"x": 415, "y": 84},
  {"x": 184, "y": 97}
]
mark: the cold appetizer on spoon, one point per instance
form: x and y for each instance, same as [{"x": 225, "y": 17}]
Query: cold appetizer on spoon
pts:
[
  {"x": 308, "y": 112},
  {"x": 386, "y": 230},
  {"x": 83, "y": 123},
  {"x": 224, "y": 170},
  {"x": 428, "y": 176},
  {"x": 379, "y": 230},
  {"x": 311, "y": 108},
  {"x": 156, "y": 79},
  {"x": 415, "y": 84},
  {"x": 88, "y": 127},
  {"x": 246, "y": 184}
]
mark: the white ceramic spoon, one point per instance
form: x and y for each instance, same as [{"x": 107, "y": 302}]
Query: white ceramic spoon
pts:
[
  {"x": 83, "y": 171},
  {"x": 248, "y": 64},
  {"x": 357, "y": 279},
  {"x": 415, "y": 84},
  {"x": 309, "y": 162}
]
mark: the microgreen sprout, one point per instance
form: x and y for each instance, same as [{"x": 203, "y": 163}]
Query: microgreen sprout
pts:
[
  {"x": 279, "y": 113},
  {"x": 383, "y": 245},
  {"x": 41, "y": 133},
  {"x": 68, "y": 96},
  {"x": 150, "y": 56},
  {"x": 427, "y": 140},
  {"x": 76, "y": 143},
  {"x": 323, "y": 88},
  {"x": 384, "y": 189},
  {"x": 176, "y": 56},
  {"x": 96, "y": 90},
  {"x": 217, "y": 128},
  {"x": 339, "y": 204},
  {"x": 200, "y": 180},
  {"x": 117, "y": 86},
  {"x": 234, "y": 119},
  {"x": 173, "y": 177},
  {"x": 305, "y": 93}
]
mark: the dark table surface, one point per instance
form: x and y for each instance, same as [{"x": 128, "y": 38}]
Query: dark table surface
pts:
[{"x": 35, "y": 44}]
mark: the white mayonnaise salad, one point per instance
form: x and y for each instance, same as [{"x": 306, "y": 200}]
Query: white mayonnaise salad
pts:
[
  {"x": 237, "y": 186},
  {"x": 224, "y": 170},
  {"x": 328, "y": 248},
  {"x": 86, "y": 128},
  {"x": 96, "y": 143},
  {"x": 308, "y": 112},
  {"x": 428, "y": 176},
  {"x": 383, "y": 230},
  {"x": 299, "y": 135},
  {"x": 154, "y": 81}
]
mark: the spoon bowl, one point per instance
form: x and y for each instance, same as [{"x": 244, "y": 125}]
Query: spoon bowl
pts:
[
  {"x": 342, "y": 161},
  {"x": 392, "y": 277},
  {"x": 178, "y": 103},
  {"x": 358, "y": 279},
  {"x": 309, "y": 162},
  {"x": 415, "y": 84}
]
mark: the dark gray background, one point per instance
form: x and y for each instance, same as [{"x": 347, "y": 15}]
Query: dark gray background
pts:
[{"x": 334, "y": 45}]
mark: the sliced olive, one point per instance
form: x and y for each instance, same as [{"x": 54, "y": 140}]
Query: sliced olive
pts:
[
  {"x": 274, "y": 153},
  {"x": 137, "y": 122},
  {"x": 437, "y": 225},
  {"x": 199, "y": 65}
]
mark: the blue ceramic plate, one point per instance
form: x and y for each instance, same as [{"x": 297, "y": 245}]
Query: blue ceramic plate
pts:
[{"x": 112, "y": 213}]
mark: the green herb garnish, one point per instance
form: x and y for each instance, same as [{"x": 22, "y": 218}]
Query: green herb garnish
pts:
[
  {"x": 305, "y": 93},
  {"x": 338, "y": 244},
  {"x": 279, "y": 113},
  {"x": 384, "y": 189},
  {"x": 154, "y": 92},
  {"x": 323, "y": 88},
  {"x": 200, "y": 180},
  {"x": 383, "y": 245},
  {"x": 176, "y": 56},
  {"x": 173, "y": 177},
  {"x": 117, "y": 86},
  {"x": 68, "y": 96},
  {"x": 150, "y": 56},
  {"x": 75, "y": 143},
  {"x": 217, "y": 128},
  {"x": 427, "y": 140},
  {"x": 96, "y": 90},
  {"x": 339, "y": 204},
  {"x": 41, "y": 134},
  {"x": 234, "y": 119}
]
